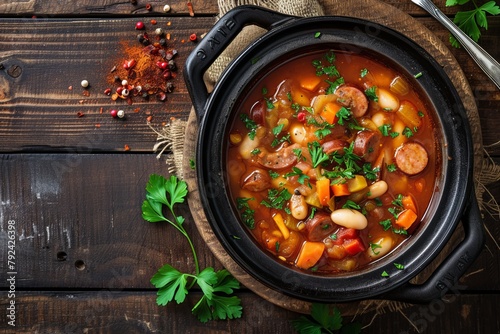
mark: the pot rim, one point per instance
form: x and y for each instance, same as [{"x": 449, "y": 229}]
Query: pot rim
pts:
[{"x": 366, "y": 282}]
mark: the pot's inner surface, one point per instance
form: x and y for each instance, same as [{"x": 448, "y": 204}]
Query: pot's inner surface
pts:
[{"x": 332, "y": 160}]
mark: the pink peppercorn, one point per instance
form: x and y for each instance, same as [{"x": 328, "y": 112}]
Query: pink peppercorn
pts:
[
  {"x": 301, "y": 117},
  {"x": 114, "y": 113},
  {"x": 193, "y": 37},
  {"x": 139, "y": 25}
]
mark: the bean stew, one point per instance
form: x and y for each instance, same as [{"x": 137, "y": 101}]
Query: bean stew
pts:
[{"x": 332, "y": 161}]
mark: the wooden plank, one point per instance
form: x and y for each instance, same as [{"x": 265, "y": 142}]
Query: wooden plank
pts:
[
  {"x": 42, "y": 8},
  {"x": 37, "y": 108},
  {"x": 107, "y": 311},
  {"x": 78, "y": 224}
]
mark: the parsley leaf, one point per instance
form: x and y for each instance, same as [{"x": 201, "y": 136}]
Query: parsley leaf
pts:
[
  {"x": 324, "y": 319},
  {"x": 250, "y": 125},
  {"x": 371, "y": 93},
  {"x": 318, "y": 156},
  {"x": 247, "y": 214},
  {"x": 217, "y": 306},
  {"x": 276, "y": 198},
  {"x": 471, "y": 21},
  {"x": 170, "y": 282}
]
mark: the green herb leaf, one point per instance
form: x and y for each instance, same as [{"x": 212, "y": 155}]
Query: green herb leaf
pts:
[
  {"x": 250, "y": 125},
  {"x": 318, "y": 156},
  {"x": 349, "y": 204},
  {"x": 218, "y": 306},
  {"x": 247, "y": 214},
  {"x": 384, "y": 274},
  {"x": 386, "y": 224},
  {"x": 363, "y": 72},
  {"x": 399, "y": 266},
  {"x": 171, "y": 284},
  {"x": 276, "y": 199},
  {"x": 371, "y": 93},
  {"x": 317, "y": 35},
  {"x": 471, "y": 21},
  {"x": 374, "y": 247}
]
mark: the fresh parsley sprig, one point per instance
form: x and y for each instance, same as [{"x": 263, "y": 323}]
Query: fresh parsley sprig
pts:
[
  {"x": 472, "y": 20},
  {"x": 324, "y": 319},
  {"x": 217, "y": 287}
]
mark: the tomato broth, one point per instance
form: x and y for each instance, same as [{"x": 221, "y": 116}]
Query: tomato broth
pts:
[{"x": 332, "y": 161}]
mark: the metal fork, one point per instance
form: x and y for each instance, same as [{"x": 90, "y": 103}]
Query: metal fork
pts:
[{"x": 485, "y": 61}]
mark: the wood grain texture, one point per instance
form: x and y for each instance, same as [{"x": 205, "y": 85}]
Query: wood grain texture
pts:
[
  {"x": 42, "y": 8},
  {"x": 38, "y": 111},
  {"x": 79, "y": 225},
  {"x": 107, "y": 311}
]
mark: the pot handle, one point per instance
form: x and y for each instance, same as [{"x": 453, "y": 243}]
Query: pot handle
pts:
[
  {"x": 216, "y": 40},
  {"x": 446, "y": 276}
]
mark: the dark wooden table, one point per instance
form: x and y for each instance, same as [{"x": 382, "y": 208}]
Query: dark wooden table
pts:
[{"x": 73, "y": 178}]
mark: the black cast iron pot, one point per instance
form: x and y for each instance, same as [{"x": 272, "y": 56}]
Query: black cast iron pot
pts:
[{"x": 453, "y": 200}]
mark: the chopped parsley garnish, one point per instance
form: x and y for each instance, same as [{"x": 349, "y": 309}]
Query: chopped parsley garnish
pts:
[
  {"x": 273, "y": 174},
  {"x": 421, "y": 114},
  {"x": 276, "y": 199},
  {"x": 392, "y": 168},
  {"x": 371, "y": 93},
  {"x": 250, "y": 125},
  {"x": 277, "y": 129},
  {"x": 418, "y": 75},
  {"x": 255, "y": 151},
  {"x": 394, "y": 134},
  {"x": 247, "y": 214},
  {"x": 399, "y": 266},
  {"x": 374, "y": 247},
  {"x": 385, "y": 129},
  {"x": 322, "y": 133},
  {"x": 313, "y": 212},
  {"x": 398, "y": 201},
  {"x": 370, "y": 173},
  {"x": 334, "y": 85},
  {"x": 343, "y": 115},
  {"x": 298, "y": 172},
  {"x": 317, "y": 34},
  {"x": 407, "y": 132},
  {"x": 329, "y": 71},
  {"x": 349, "y": 204},
  {"x": 277, "y": 246},
  {"x": 264, "y": 91},
  {"x": 298, "y": 153},
  {"x": 400, "y": 231},
  {"x": 333, "y": 236},
  {"x": 386, "y": 224},
  {"x": 318, "y": 156},
  {"x": 384, "y": 274},
  {"x": 269, "y": 103},
  {"x": 363, "y": 72}
]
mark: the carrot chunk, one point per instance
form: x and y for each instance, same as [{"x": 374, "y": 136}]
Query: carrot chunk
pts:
[
  {"x": 409, "y": 203},
  {"x": 329, "y": 112},
  {"x": 340, "y": 189},
  {"x": 310, "y": 83},
  {"x": 310, "y": 253},
  {"x": 323, "y": 190},
  {"x": 406, "y": 218},
  {"x": 353, "y": 246}
]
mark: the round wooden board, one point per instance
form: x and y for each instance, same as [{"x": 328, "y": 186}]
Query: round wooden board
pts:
[{"x": 393, "y": 18}]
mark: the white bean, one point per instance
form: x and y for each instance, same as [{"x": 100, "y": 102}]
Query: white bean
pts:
[
  {"x": 387, "y": 100},
  {"x": 380, "y": 118},
  {"x": 298, "y": 207},
  {"x": 349, "y": 218},
  {"x": 377, "y": 189},
  {"x": 380, "y": 247},
  {"x": 297, "y": 133},
  {"x": 247, "y": 146}
]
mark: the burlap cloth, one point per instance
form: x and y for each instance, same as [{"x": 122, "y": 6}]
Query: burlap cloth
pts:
[{"x": 172, "y": 137}]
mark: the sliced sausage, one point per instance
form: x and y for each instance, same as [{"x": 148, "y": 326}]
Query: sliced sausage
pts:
[
  {"x": 257, "y": 180},
  {"x": 411, "y": 158},
  {"x": 278, "y": 160},
  {"x": 367, "y": 145},
  {"x": 258, "y": 112},
  {"x": 319, "y": 227},
  {"x": 334, "y": 145},
  {"x": 354, "y": 99}
]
